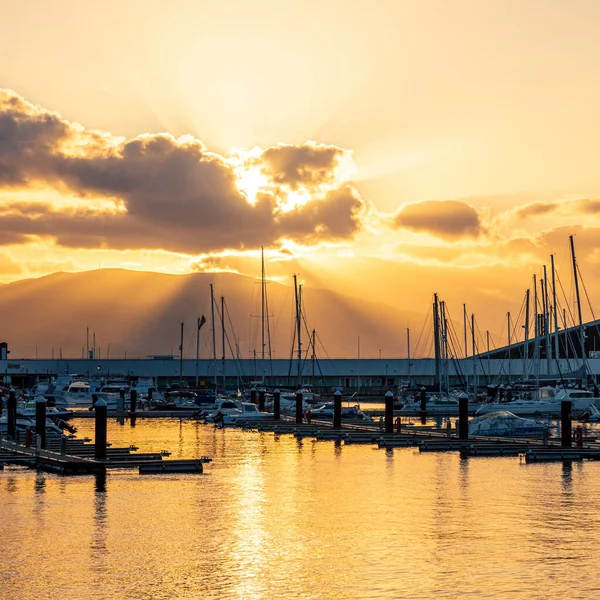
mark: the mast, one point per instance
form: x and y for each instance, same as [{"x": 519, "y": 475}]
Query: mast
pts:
[
  {"x": 181, "y": 360},
  {"x": 474, "y": 350},
  {"x": 223, "y": 337},
  {"x": 262, "y": 302},
  {"x": 574, "y": 260},
  {"x": 408, "y": 346},
  {"x": 466, "y": 347},
  {"x": 298, "y": 328},
  {"x": 197, "y": 348},
  {"x": 214, "y": 335},
  {"x": 509, "y": 348},
  {"x": 313, "y": 359},
  {"x": 212, "y": 316},
  {"x": 547, "y": 322},
  {"x": 436, "y": 341},
  {"x": 536, "y": 344},
  {"x": 556, "y": 343},
  {"x": 526, "y": 337}
]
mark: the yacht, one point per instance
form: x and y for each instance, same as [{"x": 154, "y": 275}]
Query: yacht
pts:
[
  {"x": 545, "y": 401},
  {"x": 505, "y": 423},
  {"x": 246, "y": 412}
]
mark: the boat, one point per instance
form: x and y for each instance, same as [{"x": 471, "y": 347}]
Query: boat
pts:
[
  {"x": 546, "y": 401},
  {"x": 27, "y": 411},
  {"x": 111, "y": 394},
  {"x": 246, "y": 412},
  {"x": 326, "y": 411},
  {"x": 505, "y": 423},
  {"x": 437, "y": 404},
  {"x": 24, "y": 424},
  {"x": 222, "y": 407}
]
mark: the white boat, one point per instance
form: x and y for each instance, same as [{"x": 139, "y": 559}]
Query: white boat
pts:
[
  {"x": 439, "y": 405},
  {"x": 27, "y": 411},
  {"x": 545, "y": 402},
  {"x": 111, "y": 394},
  {"x": 505, "y": 423},
  {"x": 246, "y": 412},
  {"x": 222, "y": 407},
  {"x": 348, "y": 412},
  {"x": 24, "y": 424}
]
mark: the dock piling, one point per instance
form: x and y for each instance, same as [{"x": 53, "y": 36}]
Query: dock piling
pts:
[
  {"x": 565, "y": 424},
  {"x": 132, "y": 401},
  {"x": 423, "y": 405},
  {"x": 100, "y": 440},
  {"x": 389, "y": 412},
  {"x": 299, "y": 407},
  {"x": 121, "y": 405},
  {"x": 463, "y": 416},
  {"x": 261, "y": 399},
  {"x": 337, "y": 409},
  {"x": 40, "y": 420},
  {"x": 277, "y": 405},
  {"x": 253, "y": 395},
  {"x": 12, "y": 415}
]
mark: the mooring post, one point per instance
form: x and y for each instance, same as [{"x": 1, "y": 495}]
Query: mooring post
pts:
[
  {"x": 100, "y": 441},
  {"x": 337, "y": 409},
  {"x": 299, "y": 407},
  {"x": 63, "y": 444},
  {"x": 565, "y": 424},
  {"x": 449, "y": 428},
  {"x": 277, "y": 405},
  {"x": 423, "y": 401},
  {"x": 132, "y": 401},
  {"x": 121, "y": 406},
  {"x": 261, "y": 399},
  {"x": 389, "y": 412},
  {"x": 150, "y": 392},
  {"x": 1, "y": 404},
  {"x": 40, "y": 419},
  {"x": 463, "y": 416},
  {"x": 12, "y": 415},
  {"x": 253, "y": 393}
]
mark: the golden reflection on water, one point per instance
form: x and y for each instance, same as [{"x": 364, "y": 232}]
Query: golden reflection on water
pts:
[{"x": 275, "y": 517}]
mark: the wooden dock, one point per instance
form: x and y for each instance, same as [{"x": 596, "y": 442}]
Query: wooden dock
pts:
[
  {"x": 429, "y": 439},
  {"x": 78, "y": 459}
]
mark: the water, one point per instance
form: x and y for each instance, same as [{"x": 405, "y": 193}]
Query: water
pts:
[{"x": 273, "y": 517}]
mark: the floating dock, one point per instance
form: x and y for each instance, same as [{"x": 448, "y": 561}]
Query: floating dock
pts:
[{"x": 78, "y": 459}]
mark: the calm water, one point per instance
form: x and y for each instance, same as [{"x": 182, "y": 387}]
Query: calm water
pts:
[{"x": 272, "y": 517}]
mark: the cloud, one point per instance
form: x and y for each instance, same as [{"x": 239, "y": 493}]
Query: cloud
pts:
[
  {"x": 535, "y": 209},
  {"x": 447, "y": 219},
  {"x": 168, "y": 192},
  {"x": 307, "y": 165}
]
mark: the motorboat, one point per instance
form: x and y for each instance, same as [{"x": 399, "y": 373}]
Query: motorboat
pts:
[
  {"x": 246, "y": 412},
  {"x": 546, "y": 401},
  {"x": 438, "y": 404},
  {"x": 505, "y": 423},
  {"x": 24, "y": 424},
  {"x": 326, "y": 411},
  {"x": 27, "y": 410},
  {"x": 222, "y": 407}
]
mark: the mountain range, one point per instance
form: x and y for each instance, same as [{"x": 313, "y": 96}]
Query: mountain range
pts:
[{"x": 135, "y": 314}]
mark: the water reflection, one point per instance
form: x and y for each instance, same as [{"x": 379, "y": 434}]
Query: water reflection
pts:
[{"x": 281, "y": 518}]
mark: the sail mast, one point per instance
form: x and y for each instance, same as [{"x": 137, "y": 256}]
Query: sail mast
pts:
[
  {"x": 298, "y": 327},
  {"x": 574, "y": 260}
]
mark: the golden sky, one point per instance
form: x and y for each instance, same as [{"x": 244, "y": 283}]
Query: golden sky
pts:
[{"x": 393, "y": 148}]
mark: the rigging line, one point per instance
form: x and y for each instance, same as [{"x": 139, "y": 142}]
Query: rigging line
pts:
[{"x": 238, "y": 364}]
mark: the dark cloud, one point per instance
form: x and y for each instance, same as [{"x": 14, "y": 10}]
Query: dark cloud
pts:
[
  {"x": 535, "y": 209},
  {"x": 176, "y": 195},
  {"x": 588, "y": 206},
  {"x": 448, "y": 219},
  {"x": 307, "y": 165}
]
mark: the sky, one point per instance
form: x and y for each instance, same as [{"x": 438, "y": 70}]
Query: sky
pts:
[{"x": 391, "y": 149}]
